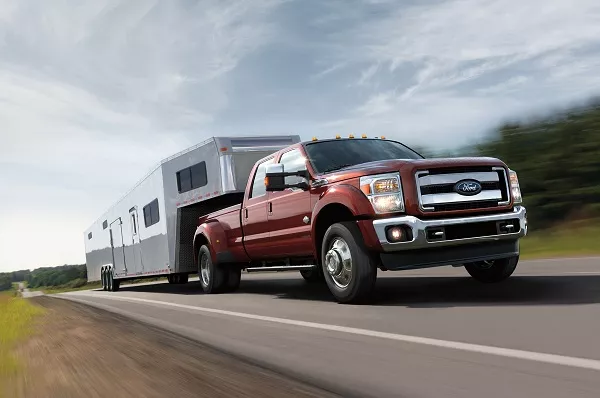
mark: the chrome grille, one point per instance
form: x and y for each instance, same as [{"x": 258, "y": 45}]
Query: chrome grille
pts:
[{"x": 436, "y": 191}]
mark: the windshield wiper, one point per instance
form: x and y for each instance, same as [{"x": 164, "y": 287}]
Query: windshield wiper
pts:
[{"x": 338, "y": 167}]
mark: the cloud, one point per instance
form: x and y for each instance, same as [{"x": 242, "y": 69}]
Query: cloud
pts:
[
  {"x": 465, "y": 64},
  {"x": 92, "y": 94}
]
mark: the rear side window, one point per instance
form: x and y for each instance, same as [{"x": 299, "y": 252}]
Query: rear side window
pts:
[
  {"x": 151, "y": 214},
  {"x": 192, "y": 177},
  {"x": 258, "y": 184}
]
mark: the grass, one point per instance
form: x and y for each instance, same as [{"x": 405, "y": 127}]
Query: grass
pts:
[
  {"x": 16, "y": 319},
  {"x": 565, "y": 241}
]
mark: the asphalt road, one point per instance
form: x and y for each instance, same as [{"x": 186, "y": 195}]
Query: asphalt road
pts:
[{"x": 430, "y": 333}]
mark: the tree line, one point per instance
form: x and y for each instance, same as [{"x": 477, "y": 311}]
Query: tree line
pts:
[{"x": 64, "y": 275}]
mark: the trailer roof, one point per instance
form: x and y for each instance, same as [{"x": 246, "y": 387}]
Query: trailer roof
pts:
[{"x": 239, "y": 139}]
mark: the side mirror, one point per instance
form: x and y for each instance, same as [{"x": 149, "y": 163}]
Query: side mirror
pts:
[{"x": 275, "y": 178}]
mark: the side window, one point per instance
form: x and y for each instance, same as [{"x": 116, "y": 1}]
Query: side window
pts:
[
  {"x": 151, "y": 215},
  {"x": 258, "y": 184},
  {"x": 293, "y": 161},
  {"x": 192, "y": 177}
]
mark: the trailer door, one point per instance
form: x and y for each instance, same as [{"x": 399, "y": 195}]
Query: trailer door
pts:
[
  {"x": 136, "y": 247},
  {"x": 118, "y": 248}
]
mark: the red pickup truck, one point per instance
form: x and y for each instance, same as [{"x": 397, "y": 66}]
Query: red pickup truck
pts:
[{"x": 338, "y": 210}]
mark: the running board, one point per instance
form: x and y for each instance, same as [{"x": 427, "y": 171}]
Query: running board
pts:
[{"x": 281, "y": 268}]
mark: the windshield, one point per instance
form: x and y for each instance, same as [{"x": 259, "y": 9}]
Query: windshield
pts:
[{"x": 327, "y": 156}]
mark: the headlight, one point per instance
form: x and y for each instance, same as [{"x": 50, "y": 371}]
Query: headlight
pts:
[
  {"x": 515, "y": 189},
  {"x": 384, "y": 191}
]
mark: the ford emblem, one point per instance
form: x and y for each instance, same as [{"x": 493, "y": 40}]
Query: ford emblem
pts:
[{"x": 467, "y": 187}]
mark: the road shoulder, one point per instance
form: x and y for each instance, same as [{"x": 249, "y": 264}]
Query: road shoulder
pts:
[{"x": 86, "y": 351}]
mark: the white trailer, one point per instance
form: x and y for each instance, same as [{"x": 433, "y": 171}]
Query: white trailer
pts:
[{"x": 150, "y": 231}]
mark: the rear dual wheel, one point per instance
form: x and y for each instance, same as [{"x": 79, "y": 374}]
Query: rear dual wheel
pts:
[{"x": 215, "y": 278}]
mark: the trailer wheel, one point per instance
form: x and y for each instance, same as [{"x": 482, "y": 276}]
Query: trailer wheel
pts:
[
  {"x": 492, "y": 271},
  {"x": 114, "y": 284},
  {"x": 234, "y": 277},
  {"x": 349, "y": 270},
  {"x": 109, "y": 280},
  {"x": 212, "y": 278},
  {"x": 102, "y": 280}
]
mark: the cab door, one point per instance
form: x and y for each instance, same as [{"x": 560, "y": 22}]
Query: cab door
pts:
[
  {"x": 289, "y": 212},
  {"x": 254, "y": 216}
]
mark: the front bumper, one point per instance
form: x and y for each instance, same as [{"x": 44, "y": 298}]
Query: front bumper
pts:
[{"x": 463, "y": 231}]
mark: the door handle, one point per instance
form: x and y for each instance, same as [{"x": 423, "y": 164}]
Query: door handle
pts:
[
  {"x": 270, "y": 207},
  {"x": 246, "y": 213}
]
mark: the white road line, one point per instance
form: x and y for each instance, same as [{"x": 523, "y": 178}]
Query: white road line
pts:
[{"x": 503, "y": 352}]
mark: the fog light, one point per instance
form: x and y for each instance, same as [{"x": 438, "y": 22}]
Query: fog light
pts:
[{"x": 397, "y": 234}]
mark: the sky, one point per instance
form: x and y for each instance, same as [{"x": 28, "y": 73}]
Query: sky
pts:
[{"x": 94, "y": 93}]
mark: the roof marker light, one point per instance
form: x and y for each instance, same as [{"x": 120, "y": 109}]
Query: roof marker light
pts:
[
  {"x": 314, "y": 139},
  {"x": 351, "y": 136},
  {"x": 383, "y": 137},
  {"x": 364, "y": 136},
  {"x": 337, "y": 137}
]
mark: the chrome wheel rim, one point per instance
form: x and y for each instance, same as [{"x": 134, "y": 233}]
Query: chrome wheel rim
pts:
[
  {"x": 338, "y": 262},
  {"x": 204, "y": 270}
]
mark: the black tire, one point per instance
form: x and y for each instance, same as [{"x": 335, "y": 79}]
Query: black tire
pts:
[
  {"x": 114, "y": 284},
  {"x": 358, "y": 288},
  {"x": 492, "y": 271},
  {"x": 170, "y": 278},
  {"x": 215, "y": 281},
  {"x": 103, "y": 279},
  {"x": 314, "y": 275},
  {"x": 183, "y": 279},
  {"x": 109, "y": 280},
  {"x": 234, "y": 277}
]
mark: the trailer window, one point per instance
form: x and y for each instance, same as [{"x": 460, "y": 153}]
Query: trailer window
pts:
[
  {"x": 89, "y": 236},
  {"x": 192, "y": 177},
  {"x": 105, "y": 224},
  {"x": 151, "y": 215},
  {"x": 258, "y": 183}
]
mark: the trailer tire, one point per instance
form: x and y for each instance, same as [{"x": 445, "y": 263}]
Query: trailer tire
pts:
[
  {"x": 349, "y": 269},
  {"x": 234, "y": 277},
  {"x": 492, "y": 271},
  {"x": 103, "y": 280},
  {"x": 213, "y": 279},
  {"x": 109, "y": 280},
  {"x": 114, "y": 284}
]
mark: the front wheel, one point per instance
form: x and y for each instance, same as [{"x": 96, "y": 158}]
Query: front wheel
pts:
[
  {"x": 492, "y": 271},
  {"x": 349, "y": 270}
]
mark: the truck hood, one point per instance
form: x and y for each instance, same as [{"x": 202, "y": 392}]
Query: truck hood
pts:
[{"x": 409, "y": 166}]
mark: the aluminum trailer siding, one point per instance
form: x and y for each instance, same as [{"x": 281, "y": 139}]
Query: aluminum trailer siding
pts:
[{"x": 149, "y": 232}]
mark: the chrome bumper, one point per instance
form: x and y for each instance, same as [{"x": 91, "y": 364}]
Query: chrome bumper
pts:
[{"x": 419, "y": 228}]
